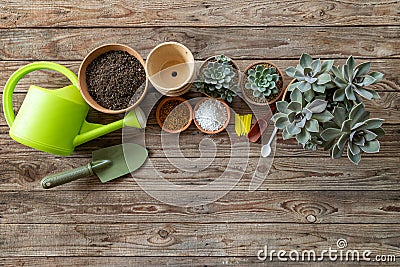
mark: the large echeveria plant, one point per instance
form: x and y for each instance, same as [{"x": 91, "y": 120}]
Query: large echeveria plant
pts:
[{"x": 325, "y": 108}]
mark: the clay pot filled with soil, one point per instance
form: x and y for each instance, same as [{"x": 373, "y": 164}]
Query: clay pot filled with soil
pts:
[
  {"x": 174, "y": 114},
  {"x": 255, "y": 85},
  {"x": 112, "y": 78}
]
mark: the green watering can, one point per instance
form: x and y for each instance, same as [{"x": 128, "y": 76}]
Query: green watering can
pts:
[{"x": 54, "y": 120}]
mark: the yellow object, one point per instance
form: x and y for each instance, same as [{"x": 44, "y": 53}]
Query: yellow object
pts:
[
  {"x": 242, "y": 124},
  {"x": 238, "y": 128}
]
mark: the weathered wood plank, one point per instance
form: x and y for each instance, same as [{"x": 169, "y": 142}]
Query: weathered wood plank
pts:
[
  {"x": 255, "y": 207},
  {"x": 297, "y": 173},
  {"x": 169, "y": 261},
  {"x": 49, "y": 79},
  {"x": 289, "y": 43},
  {"x": 197, "y": 13},
  {"x": 177, "y": 239},
  {"x": 390, "y": 144}
]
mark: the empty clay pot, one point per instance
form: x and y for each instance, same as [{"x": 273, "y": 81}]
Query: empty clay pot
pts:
[{"x": 170, "y": 68}]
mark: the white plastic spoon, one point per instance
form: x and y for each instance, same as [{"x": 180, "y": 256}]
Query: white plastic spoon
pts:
[{"x": 266, "y": 149}]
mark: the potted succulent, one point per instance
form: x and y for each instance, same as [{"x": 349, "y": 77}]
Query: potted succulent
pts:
[
  {"x": 324, "y": 107},
  {"x": 262, "y": 83},
  {"x": 218, "y": 78}
]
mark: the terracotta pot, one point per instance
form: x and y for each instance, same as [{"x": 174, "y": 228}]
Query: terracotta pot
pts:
[
  {"x": 170, "y": 68},
  {"x": 287, "y": 89},
  {"x": 210, "y": 59},
  {"x": 82, "y": 75},
  {"x": 181, "y": 100},
  {"x": 228, "y": 115},
  {"x": 246, "y": 92}
]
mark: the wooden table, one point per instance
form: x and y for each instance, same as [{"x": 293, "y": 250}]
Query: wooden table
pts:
[{"x": 308, "y": 200}]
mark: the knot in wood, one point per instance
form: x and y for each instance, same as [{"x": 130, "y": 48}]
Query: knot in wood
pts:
[
  {"x": 163, "y": 233},
  {"x": 311, "y": 218}
]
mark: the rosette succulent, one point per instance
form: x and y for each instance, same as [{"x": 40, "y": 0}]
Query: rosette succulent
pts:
[
  {"x": 263, "y": 81},
  {"x": 326, "y": 108},
  {"x": 360, "y": 133},
  {"x": 351, "y": 80},
  {"x": 311, "y": 76},
  {"x": 298, "y": 120},
  {"x": 217, "y": 79},
  {"x": 223, "y": 59},
  {"x": 218, "y": 75}
]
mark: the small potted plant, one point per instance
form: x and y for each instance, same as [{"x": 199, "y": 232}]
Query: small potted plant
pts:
[
  {"x": 262, "y": 83},
  {"x": 324, "y": 107},
  {"x": 218, "y": 78}
]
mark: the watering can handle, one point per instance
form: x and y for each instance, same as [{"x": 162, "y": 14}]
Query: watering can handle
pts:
[{"x": 19, "y": 74}]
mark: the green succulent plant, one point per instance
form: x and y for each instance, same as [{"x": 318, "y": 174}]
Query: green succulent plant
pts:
[
  {"x": 218, "y": 75},
  {"x": 343, "y": 120},
  {"x": 360, "y": 133},
  {"x": 222, "y": 58},
  {"x": 312, "y": 76},
  {"x": 351, "y": 80},
  {"x": 217, "y": 79},
  {"x": 263, "y": 81},
  {"x": 298, "y": 120}
]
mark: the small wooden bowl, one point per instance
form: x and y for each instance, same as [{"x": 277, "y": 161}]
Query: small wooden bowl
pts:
[
  {"x": 228, "y": 116},
  {"x": 182, "y": 101},
  {"x": 82, "y": 75},
  {"x": 279, "y": 84}
]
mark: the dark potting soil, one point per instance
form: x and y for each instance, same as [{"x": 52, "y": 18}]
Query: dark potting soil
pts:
[{"x": 115, "y": 80}]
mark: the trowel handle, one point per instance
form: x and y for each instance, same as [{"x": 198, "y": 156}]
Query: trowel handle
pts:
[{"x": 74, "y": 174}]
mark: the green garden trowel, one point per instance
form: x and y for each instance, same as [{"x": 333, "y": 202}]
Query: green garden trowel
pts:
[{"x": 107, "y": 163}]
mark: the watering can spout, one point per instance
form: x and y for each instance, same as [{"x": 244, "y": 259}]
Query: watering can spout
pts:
[{"x": 89, "y": 131}]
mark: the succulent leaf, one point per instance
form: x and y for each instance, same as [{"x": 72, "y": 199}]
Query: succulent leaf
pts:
[
  {"x": 311, "y": 75},
  {"x": 216, "y": 79},
  {"x": 354, "y": 79}
]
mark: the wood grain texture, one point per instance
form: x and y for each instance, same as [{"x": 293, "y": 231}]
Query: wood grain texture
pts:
[
  {"x": 308, "y": 201},
  {"x": 242, "y": 43},
  {"x": 294, "y": 173},
  {"x": 157, "y": 261},
  {"x": 197, "y": 13},
  {"x": 327, "y": 207},
  {"x": 189, "y": 239}
]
